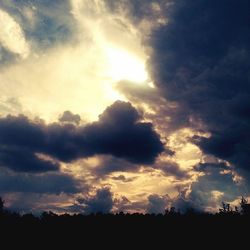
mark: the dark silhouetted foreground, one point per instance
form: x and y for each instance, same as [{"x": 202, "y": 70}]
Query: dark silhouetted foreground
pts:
[{"x": 226, "y": 225}]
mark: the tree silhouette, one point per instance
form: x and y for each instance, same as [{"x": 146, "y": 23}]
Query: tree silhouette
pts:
[
  {"x": 245, "y": 206},
  {"x": 243, "y": 201},
  {"x": 227, "y": 209}
]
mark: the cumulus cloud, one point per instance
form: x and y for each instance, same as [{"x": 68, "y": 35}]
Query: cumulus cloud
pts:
[
  {"x": 183, "y": 204},
  {"x": 118, "y": 132},
  {"x": 100, "y": 202},
  {"x": 157, "y": 204},
  {"x": 216, "y": 184}
]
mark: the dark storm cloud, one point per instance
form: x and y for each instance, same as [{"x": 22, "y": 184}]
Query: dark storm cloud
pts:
[
  {"x": 19, "y": 140},
  {"x": 24, "y": 160},
  {"x": 49, "y": 183},
  {"x": 44, "y": 22},
  {"x": 118, "y": 132},
  {"x": 201, "y": 61},
  {"x": 230, "y": 143}
]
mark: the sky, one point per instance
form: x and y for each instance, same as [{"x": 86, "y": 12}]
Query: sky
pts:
[{"x": 125, "y": 105}]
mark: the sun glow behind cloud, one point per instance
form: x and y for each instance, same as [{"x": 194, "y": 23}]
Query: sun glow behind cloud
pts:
[
  {"x": 78, "y": 75},
  {"x": 125, "y": 66},
  {"x": 117, "y": 40}
]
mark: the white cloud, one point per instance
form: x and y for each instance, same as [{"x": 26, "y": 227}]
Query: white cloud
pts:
[{"x": 12, "y": 36}]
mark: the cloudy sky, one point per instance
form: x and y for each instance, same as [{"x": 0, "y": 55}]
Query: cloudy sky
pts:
[{"x": 126, "y": 105}]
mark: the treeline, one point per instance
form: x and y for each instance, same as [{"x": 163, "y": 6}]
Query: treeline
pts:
[{"x": 225, "y": 225}]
